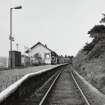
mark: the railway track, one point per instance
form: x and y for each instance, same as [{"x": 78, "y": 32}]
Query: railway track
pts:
[
  {"x": 65, "y": 91},
  {"x": 61, "y": 88}
]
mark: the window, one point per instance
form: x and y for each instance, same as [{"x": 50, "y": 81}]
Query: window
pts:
[{"x": 47, "y": 55}]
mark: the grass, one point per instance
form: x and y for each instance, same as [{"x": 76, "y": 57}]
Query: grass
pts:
[{"x": 8, "y": 77}]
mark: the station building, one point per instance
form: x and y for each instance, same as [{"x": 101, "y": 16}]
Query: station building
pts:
[{"x": 41, "y": 54}]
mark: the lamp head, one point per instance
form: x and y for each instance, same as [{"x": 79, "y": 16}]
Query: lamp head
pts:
[{"x": 18, "y": 7}]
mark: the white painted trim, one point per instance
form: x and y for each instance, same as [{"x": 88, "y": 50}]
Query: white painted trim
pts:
[{"x": 4, "y": 94}]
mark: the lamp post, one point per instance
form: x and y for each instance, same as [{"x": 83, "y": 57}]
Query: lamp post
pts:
[{"x": 11, "y": 38}]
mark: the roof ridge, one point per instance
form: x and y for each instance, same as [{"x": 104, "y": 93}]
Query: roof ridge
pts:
[{"x": 44, "y": 45}]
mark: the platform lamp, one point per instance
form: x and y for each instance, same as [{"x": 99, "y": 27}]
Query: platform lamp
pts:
[{"x": 11, "y": 38}]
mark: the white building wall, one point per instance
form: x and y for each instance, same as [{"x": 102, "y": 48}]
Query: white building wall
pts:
[{"x": 42, "y": 51}]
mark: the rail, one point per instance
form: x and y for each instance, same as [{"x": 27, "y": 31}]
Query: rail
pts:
[
  {"x": 91, "y": 95},
  {"x": 46, "y": 94},
  {"x": 4, "y": 95},
  {"x": 82, "y": 93}
]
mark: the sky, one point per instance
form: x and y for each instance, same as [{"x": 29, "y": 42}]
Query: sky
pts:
[{"x": 61, "y": 24}]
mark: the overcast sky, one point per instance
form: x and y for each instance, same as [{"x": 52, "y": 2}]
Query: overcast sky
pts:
[{"x": 61, "y": 24}]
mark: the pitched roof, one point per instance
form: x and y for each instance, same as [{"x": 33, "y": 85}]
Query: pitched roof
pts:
[{"x": 38, "y": 44}]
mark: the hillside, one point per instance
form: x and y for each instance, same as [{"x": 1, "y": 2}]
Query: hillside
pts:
[{"x": 90, "y": 61}]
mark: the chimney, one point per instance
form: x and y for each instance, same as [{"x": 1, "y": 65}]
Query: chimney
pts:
[{"x": 45, "y": 45}]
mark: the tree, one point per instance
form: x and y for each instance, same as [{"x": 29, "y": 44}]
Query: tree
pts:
[
  {"x": 97, "y": 32},
  {"x": 103, "y": 19}
]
